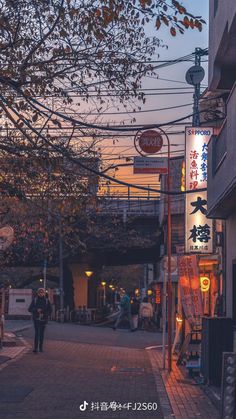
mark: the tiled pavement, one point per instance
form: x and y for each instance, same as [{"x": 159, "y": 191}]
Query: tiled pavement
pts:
[
  {"x": 70, "y": 372},
  {"x": 187, "y": 400}
]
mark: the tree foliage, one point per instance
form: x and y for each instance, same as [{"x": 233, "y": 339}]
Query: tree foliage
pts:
[
  {"x": 53, "y": 48},
  {"x": 56, "y": 55}
]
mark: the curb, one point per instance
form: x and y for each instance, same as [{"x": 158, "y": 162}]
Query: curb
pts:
[
  {"x": 165, "y": 403},
  {"x": 12, "y": 354},
  {"x": 18, "y": 330}
]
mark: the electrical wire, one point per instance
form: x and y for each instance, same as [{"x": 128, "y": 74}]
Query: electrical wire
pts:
[{"x": 84, "y": 166}]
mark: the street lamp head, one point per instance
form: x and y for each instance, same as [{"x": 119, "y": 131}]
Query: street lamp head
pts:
[
  {"x": 103, "y": 283},
  {"x": 88, "y": 273}
]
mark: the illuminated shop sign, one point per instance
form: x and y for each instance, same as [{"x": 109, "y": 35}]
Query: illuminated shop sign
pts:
[
  {"x": 205, "y": 283},
  {"x": 198, "y": 228}
]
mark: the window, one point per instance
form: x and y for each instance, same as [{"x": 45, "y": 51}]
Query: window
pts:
[{"x": 216, "y": 3}]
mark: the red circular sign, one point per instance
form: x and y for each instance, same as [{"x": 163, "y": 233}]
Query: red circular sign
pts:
[{"x": 150, "y": 141}]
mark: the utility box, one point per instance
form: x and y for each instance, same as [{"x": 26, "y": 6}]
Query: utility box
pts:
[
  {"x": 228, "y": 386},
  {"x": 19, "y": 302},
  {"x": 217, "y": 337}
]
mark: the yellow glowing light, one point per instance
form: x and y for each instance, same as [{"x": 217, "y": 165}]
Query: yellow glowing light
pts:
[
  {"x": 103, "y": 283},
  {"x": 88, "y": 273},
  {"x": 136, "y": 291},
  {"x": 111, "y": 286},
  {"x": 205, "y": 283},
  {"x": 179, "y": 319},
  {"x": 149, "y": 292}
]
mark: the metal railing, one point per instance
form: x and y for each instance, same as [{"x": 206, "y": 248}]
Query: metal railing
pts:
[{"x": 131, "y": 206}]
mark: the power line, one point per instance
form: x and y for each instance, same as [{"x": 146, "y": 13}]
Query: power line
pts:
[
  {"x": 75, "y": 160},
  {"x": 100, "y": 127}
]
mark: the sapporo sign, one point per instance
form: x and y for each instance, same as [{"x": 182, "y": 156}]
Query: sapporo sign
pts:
[
  {"x": 148, "y": 142},
  {"x": 198, "y": 228}
]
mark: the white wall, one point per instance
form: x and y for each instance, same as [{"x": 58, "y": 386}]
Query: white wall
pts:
[{"x": 19, "y": 301}]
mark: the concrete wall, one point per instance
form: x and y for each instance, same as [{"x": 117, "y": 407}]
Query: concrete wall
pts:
[
  {"x": 80, "y": 283},
  {"x": 230, "y": 257},
  {"x": 221, "y": 22},
  {"x": 19, "y": 302},
  {"x": 224, "y": 179}
]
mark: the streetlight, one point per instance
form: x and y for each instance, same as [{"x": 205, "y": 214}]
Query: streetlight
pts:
[
  {"x": 103, "y": 283},
  {"x": 88, "y": 273}
]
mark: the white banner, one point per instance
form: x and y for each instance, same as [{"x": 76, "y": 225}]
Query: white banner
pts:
[
  {"x": 191, "y": 297},
  {"x": 198, "y": 228}
]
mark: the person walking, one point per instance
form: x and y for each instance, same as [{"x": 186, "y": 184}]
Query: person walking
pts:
[
  {"x": 41, "y": 309},
  {"x": 125, "y": 311},
  {"x": 146, "y": 313},
  {"x": 135, "y": 304}
]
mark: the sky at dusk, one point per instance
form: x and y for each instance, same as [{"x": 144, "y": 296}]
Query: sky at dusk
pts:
[{"x": 169, "y": 77}]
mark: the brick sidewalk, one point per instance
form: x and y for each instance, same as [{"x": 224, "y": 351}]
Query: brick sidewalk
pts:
[{"x": 187, "y": 400}]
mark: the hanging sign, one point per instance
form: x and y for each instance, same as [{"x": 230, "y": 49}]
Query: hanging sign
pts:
[
  {"x": 190, "y": 293},
  {"x": 198, "y": 228},
  {"x": 148, "y": 142},
  {"x": 205, "y": 283},
  {"x": 144, "y": 165}
]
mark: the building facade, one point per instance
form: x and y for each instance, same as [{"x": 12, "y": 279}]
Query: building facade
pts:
[{"x": 222, "y": 147}]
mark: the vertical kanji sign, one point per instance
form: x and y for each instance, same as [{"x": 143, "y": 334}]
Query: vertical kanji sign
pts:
[
  {"x": 198, "y": 228},
  {"x": 190, "y": 293}
]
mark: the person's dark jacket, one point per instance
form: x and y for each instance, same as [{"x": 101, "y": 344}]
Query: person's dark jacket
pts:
[
  {"x": 40, "y": 308},
  {"x": 135, "y": 306}
]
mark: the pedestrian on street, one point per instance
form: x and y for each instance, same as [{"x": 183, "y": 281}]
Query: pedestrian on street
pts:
[
  {"x": 146, "y": 313},
  {"x": 135, "y": 304},
  {"x": 41, "y": 309},
  {"x": 125, "y": 312}
]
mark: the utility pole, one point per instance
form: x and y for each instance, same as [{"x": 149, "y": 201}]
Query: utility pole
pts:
[
  {"x": 61, "y": 280},
  {"x": 197, "y": 91},
  {"x": 194, "y": 76}
]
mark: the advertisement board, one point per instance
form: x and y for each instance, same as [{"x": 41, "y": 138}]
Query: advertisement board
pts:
[{"x": 198, "y": 228}]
